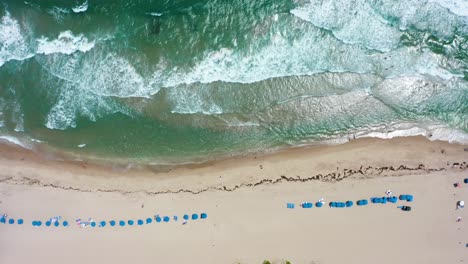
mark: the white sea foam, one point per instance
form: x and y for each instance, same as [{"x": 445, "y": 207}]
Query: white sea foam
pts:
[
  {"x": 155, "y": 14},
  {"x": 13, "y": 44},
  {"x": 432, "y": 131},
  {"x": 66, "y": 43},
  {"x": 15, "y": 141},
  {"x": 354, "y": 22},
  {"x": 81, "y": 8},
  {"x": 458, "y": 7}
]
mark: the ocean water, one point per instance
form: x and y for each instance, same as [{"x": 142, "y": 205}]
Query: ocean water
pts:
[{"x": 180, "y": 81}]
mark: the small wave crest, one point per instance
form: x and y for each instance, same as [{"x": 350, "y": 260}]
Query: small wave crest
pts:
[
  {"x": 81, "y": 8},
  {"x": 66, "y": 43}
]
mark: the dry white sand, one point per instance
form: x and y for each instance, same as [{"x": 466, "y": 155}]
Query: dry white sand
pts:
[{"x": 250, "y": 223}]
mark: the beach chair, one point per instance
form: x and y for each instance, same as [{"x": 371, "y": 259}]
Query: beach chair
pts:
[{"x": 288, "y": 205}]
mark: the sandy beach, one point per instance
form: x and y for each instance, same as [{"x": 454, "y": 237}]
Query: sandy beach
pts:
[{"x": 245, "y": 199}]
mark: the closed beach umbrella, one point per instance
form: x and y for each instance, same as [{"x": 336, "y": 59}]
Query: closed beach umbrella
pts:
[
  {"x": 112, "y": 222},
  {"x": 349, "y": 203},
  {"x": 158, "y": 219},
  {"x": 166, "y": 219},
  {"x": 20, "y": 221},
  {"x": 65, "y": 223},
  {"x": 203, "y": 216},
  {"x": 11, "y": 221},
  {"x": 130, "y": 222},
  {"x": 56, "y": 223},
  {"x": 194, "y": 216},
  {"x": 140, "y": 222},
  {"x": 186, "y": 217},
  {"x": 149, "y": 220},
  {"x": 122, "y": 223},
  {"x": 103, "y": 223},
  {"x": 318, "y": 204},
  {"x": 47, "y": 223}
]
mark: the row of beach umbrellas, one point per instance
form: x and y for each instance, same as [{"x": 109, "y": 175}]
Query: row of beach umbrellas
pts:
[
  {"x": 362, "y": 202},
  {"x": 104, "y": 223}
]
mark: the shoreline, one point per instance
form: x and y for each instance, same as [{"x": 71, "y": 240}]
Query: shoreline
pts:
[{"x": 332, "y": 163}]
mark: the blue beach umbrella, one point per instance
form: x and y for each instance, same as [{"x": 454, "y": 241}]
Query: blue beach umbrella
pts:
[
  {"x": 402, "y": 197},
  {"x": 362, "y": 202},
  {"x": 93, "y": 224},
  {"x": 349, "y": 203},
  {"x": 465, "y": 180},
  {"x": 409, "y": 198},
  {"x": 11, "y": 221},
  {"x": 112, "y": 222},
  {"x": 102, "y": 224},
  {"x": 186, "y": 217},
  {"x": 122, "y": 223},
  {"x": 47, "y": 223},
  {"x": 194, "y": 216},
  {"x": 20, "y": 221},
  {"x": 33, "y": 223},
  {"x": 166, "y": 219},
  {"x": 130, "y": 222},
  {"x": 56, "y": 223},
  {"x": 65, "y": 223},
  {"x": 38, "y": 223},
  {"x": 318, "y": 204},
  {"x": 158, "y": 219},
  {"x": 203, "y": 216},
  {"x": 140, "y": 222},
  {"x": 149, "y": 220},
  {"x": 2, "y": 220}
]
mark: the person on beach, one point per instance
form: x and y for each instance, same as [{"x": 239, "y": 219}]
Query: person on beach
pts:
[
  {"x": 321, "y": 200},
  {"x": 388, "y": 192},
  {"x": 460, "y": 204},
  {"x": 459, "y": 219}
]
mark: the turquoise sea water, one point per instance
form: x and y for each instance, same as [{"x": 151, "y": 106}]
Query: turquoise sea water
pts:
[{"x": 182, "y": 81}]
